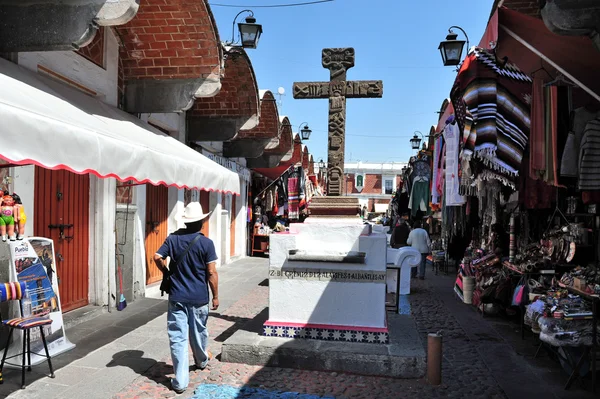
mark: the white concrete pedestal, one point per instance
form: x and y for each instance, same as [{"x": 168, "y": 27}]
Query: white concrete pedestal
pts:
[{"x": 322, "y": 296}]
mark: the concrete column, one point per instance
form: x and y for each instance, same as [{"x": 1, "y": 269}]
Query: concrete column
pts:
[
  {"x": 24, "y": 185},
  {"x": 214, "y": 221},
  {"x": 102, "y": 240},
  {"x": 176, "y": 199},
  {"x": 139, "y": 252}
]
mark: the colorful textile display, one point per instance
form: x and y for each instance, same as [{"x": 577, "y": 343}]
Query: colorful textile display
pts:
[
  {"x": 497, "y": 96},
  {"x": 452, "y": 137},
  {"x": 537, "y": 147},
  {"x": 293, "y": 198},
  {"x": 551, "y": 134},
  {"x": 437, "y": 153}
]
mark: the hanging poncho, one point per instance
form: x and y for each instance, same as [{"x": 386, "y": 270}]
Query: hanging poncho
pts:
[{"x": 497, "y": 98}]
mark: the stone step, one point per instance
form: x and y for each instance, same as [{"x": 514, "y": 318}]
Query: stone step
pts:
[{"x": 403, "y": 357}]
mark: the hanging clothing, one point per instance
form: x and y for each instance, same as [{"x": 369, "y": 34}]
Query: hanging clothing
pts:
[
  {"x": 534, "y": 193},
  {"x": 437, "y": 153},
  {"x": 581, "y": 117},
  {"x": 452, "y": 137},
  {"x": 589, "y": 155},
  {"x": 551, "y": 128},
  {"x": 568, "y": 163},
  {"x": 269, "y": 199},
  {"x": 537, "y": 144},
  {"x": 419, "y": 197},
  {"x": 496, "y": 96}
]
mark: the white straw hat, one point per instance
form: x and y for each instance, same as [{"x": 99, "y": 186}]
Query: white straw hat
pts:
[{"x": 193, "y": 213}]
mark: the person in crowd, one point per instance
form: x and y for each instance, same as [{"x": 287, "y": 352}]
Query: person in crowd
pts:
[
  {"x": 419, "y": 240},
  {"x": 192, "y": 270},
  {"x": 400, "y": 233},
  {"x": 499, "y": 240}
]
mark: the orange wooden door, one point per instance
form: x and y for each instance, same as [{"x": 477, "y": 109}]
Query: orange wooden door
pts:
[
  {"x": 157, "y": 213},
  {"x": 205, "y": 203},
  {"x": 232, "y": 227},
  {"x": 62, "y": 201}
]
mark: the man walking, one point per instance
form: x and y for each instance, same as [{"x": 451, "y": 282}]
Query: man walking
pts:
[
  {"x": 419, "y": 240},
  {"x": 192, "y": 269},
  {"x": 400, "y": 233}
]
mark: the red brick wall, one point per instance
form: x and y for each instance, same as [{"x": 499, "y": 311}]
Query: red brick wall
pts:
[
  {"x": 373, "y": 201},
  {"x": 268, "y": 125},
  {"x": 372, "y": 184},
  {"x": 305, "y": 159},
  {"x": 286, "y": 139},
  {"x": 527, "y": 7},
  {"x": 95, "y": 50},
  {"x": 170, "y": 39},
  {"x": 239, "y": 90},
  {"x": 297, "y": 154}
]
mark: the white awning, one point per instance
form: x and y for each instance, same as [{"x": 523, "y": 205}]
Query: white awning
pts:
[{"x": 49, "y": 124}]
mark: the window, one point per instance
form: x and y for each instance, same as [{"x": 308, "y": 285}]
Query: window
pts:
[
  {"x": 359, "y": 180},
  {"x": 389, "y": 186}
]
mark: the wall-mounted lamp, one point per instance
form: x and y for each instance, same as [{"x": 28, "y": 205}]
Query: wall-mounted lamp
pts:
[{"x": 451, "y": 49}]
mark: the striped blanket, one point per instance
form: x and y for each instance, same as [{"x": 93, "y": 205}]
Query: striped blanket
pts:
[
  {"x": 293, "y": 198},
  {"x": 497, "y": 98}
]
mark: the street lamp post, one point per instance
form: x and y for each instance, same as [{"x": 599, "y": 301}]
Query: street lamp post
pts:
[
  {"x": 305, "y": 131},
  {"x": 250, "y": 31},
  {"x": 415, "y": 142},
  {"x": 451, "y": 49}
]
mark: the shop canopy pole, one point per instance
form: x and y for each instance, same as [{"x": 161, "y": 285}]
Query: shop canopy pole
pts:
[
  {"x": 548, "y": 60},
  {"x": 275, "y": 181}
]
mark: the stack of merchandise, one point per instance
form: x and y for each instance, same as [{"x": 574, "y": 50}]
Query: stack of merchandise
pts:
[
  {"x": 584, "y": 279},
  {"x": 561, "y": 319}
]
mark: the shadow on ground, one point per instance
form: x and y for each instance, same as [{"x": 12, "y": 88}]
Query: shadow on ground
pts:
[{"x": 87, "y": 337}]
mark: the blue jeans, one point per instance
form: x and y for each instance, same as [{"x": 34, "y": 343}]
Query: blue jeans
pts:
[
  {"x": 420, "y": 270},
  {"x": 187, "y": 320}
]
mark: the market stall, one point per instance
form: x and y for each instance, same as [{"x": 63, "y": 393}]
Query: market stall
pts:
[{"x": 515, "y": 178}]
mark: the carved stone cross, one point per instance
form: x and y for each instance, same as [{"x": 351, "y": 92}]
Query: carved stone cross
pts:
[{"x": 338, "y": 61}]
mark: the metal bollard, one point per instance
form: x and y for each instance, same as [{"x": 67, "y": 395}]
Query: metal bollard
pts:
[{"x": 434, "y": 358}]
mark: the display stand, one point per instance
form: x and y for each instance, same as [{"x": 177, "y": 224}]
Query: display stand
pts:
[
  {"x": 260, "y": 244},
  {"x": 591, "y": 350}
]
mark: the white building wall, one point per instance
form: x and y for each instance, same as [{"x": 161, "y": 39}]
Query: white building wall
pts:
[{"x": 102, "y": 82}]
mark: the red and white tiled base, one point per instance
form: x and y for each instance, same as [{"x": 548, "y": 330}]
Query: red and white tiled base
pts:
[{"x": 326, "y": 332}]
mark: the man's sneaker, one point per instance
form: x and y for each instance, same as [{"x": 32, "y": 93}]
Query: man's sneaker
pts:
[
  {"x": 13, "y": 238},
  {"x": 204, "y": 364},
  {"x": 4, "y": 238},
  {"x": 177, "y": 391}
]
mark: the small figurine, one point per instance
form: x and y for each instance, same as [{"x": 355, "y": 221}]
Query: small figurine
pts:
[
  {"x": 7, "y": 219},
  {"x": 20, "y": 217}
]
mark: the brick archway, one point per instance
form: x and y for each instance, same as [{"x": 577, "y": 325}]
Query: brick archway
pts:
[
  {"x": 171, "y": 54},
  {"x": 305, "y": 157},
  {"x": 282, "y": 152},
  {"x": 251, "y": 143},
  {"x": 235, "y": 107},
  {"x": 296, "y": 158}
]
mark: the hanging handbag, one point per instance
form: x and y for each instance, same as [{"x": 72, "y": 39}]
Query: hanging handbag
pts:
[
  {"x": 521, "y": 293},
  {"x": 165, "y": 285}
]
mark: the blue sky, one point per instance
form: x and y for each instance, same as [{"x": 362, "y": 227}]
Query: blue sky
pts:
[{"x": 395, "y": 41}]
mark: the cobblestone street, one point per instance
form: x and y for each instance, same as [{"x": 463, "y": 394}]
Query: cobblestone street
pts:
[
  {"x": 483, "y": 357},
  {"x": 466, "y": 374}
]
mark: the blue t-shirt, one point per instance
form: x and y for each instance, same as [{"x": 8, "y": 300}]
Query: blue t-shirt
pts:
[{"x": 189, "y": 280}]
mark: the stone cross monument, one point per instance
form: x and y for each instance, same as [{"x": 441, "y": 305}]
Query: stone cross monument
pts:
[{"x": 338, "y": 61}]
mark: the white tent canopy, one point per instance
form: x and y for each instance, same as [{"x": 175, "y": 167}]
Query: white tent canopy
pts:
[{"x": 46, "y": 123}]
